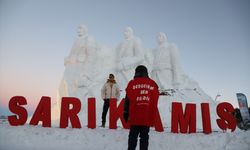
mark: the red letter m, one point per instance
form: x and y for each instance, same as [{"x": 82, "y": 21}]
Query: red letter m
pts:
[{"x": 183, "y": 120}]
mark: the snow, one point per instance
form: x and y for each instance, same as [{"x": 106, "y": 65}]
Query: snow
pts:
[{"x": 37, "y": 138}]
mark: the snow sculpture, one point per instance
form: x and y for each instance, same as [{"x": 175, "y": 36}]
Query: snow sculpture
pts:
[
  {"x": 129, "y": 55},
  {"x": 86, "y": 68},
  {"x": 83, "y": 48},
  {"x": 88, "y": 64},
  {"x": 166, "y": 69},
  {"x": 80, "y": 66}
]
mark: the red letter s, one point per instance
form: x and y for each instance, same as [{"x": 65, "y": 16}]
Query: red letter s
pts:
[
  {"x": 224, "y": 111},
  {"x": 15, "y": 107}
]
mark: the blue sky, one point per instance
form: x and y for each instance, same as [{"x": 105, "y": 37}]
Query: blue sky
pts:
[{"x": 213, "y": 38}]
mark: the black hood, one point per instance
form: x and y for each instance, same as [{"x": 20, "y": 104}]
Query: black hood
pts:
[{"x": 141, "y": 71}]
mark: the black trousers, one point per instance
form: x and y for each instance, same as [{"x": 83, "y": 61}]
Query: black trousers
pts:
[
  {"x": 105, "y": 110},
  {"x": 136, "y": 131}
]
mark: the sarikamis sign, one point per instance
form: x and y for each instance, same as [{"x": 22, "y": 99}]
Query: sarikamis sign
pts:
[{"x": 181, "y": 121}]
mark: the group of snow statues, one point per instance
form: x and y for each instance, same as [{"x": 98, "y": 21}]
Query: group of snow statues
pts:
[{"x": 88, "y": 65}]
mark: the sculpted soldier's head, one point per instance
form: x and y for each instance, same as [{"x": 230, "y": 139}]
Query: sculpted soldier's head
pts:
[
  {"x": 128, "y": 33},
  {"x": 161, "y": 37},
  {"x": 82, "y": 30}
]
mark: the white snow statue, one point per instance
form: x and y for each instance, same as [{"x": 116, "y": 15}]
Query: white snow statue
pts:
[
  {"x": 166, "y": 69},
  {"x": 86, "y": 68},
  {"x": 80, "y": 66},
  {"x": 129, "y": 55},
  {"x": 83, "y": 49}
]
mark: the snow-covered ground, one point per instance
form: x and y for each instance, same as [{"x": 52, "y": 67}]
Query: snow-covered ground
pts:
[{"x": 36, "y": 137}]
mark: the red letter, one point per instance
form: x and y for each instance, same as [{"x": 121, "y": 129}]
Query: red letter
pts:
[
  {"x": 158, "y": 123},
  {"x": 184, "y": 120},
  {"x": 227, "y": 121},
  {"x": 14, "y": 106},
  {"x": 91, "y": 113},
  {"x": 116, "y": 113},
  {"x": 67, "y": 113},
  {"x": 206, "y": 121},
  {"x": 42, "y": 113}
]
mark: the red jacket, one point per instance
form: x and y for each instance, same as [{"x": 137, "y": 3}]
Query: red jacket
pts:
[{"x": 142, "y": 94}]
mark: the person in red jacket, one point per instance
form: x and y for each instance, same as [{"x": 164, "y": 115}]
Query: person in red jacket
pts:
[{"x": 140, "y": 107}]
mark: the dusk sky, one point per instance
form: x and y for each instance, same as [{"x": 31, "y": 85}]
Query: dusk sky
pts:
[{"x": 213, "y": 38}]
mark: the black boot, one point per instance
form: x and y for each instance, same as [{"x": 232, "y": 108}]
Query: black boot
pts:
[{"x": 103, "y": 124}]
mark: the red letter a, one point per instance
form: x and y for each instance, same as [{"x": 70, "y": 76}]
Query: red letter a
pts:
[
  {"x": 158, "y": 123},
  {"x": 67, "y": 113},
  {"x": 42, "y": 113},
  {"x": 14, "y": 106}
]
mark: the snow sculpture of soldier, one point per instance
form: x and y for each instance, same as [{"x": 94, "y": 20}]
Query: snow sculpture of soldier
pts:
[
  {"x": 166, "y": 70},
  {"x": 129, "y": 55},
  {"x": 79, "y": 66}
]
